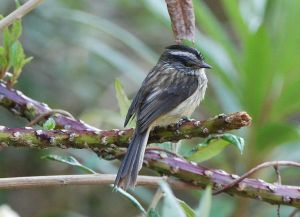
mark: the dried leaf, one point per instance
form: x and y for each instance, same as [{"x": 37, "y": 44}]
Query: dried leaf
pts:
[{"x": 183, "y": 19}]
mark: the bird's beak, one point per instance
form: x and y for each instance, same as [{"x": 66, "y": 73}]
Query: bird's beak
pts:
[{"x": 205, "y": 65}]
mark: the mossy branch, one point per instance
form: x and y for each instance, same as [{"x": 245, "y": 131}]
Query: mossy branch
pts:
[{"x": 108, "y": 144}]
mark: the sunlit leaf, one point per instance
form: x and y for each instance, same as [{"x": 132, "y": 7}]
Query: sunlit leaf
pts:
[
  {"x": 234, "y": 140},
  {"x": 16, "y": 30},
  {"x": 3, "y": 60},
  {"x": 49, "y": 124},
  {"x": 214, "y": 146}
]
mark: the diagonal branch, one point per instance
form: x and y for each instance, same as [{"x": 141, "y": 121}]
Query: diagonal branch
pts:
[
  {"x": 19, "y": 13},
  {"x": 107, "y": 143}
]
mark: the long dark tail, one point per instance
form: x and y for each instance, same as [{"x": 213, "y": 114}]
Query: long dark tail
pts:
[{"x": 133, "y": 160}]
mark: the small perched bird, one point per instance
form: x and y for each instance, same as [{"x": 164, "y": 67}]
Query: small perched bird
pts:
[{"x": 172, "y": 90}]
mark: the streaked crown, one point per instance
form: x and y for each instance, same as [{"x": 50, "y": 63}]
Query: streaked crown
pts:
[{"x": 181, "y": 56}]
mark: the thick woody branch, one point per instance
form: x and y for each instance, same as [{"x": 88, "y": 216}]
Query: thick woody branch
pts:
[
  {"x": 107, "y": 143},
  {"x": 188, "y": 174},
  {"x": 23, "y": 106},
  {"x": 76, "y": 134}
]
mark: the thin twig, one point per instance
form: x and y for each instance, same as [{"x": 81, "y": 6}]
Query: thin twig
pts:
[
  {"x": 161, "y": 150},
  {"x": 91, "y": 179},
  {"x": 276, "y": 168},
  {"x": 19, "y": 13},
  {"x": 255, "y": 169},
  {"x": 47, "y": 114}
]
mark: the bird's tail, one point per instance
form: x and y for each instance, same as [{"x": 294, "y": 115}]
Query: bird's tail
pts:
[{"x": 133, "y": 160}]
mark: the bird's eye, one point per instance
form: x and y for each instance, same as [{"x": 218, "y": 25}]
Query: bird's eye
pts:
[{"x": 189, "y": 63}]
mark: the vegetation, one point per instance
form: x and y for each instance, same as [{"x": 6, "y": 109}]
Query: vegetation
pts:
[{"x": 80, "y": 49}]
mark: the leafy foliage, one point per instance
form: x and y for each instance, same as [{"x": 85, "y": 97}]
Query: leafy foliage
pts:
[
  {"x": 12, "y": 53},
  {"x": 214, "y": 146},
  {"x": 49, "y": 124}
]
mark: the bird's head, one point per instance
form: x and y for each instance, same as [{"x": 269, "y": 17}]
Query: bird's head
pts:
[{"x": 184, "y": 58}]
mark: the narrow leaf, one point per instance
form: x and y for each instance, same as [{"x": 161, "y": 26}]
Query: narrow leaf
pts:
[
  {"x": 235, "y": 140},
  {"x": 189, "y": 212},
  {"x": 122, "y": 98},
  {"x": 27, "y": 60},
  {"x": 70, "y": 160},
  {"x": 16, "y": 30},
  {"x": 205, "y": 203},
  {"x": 183, "y": 19},
  {"x": 6, "y": 39},
  {"x": 49, "y": 124},
  {"x": 3, "y": 60},
  {"x": 131, "y": 198},
  {"x": 171, "y": 206}
]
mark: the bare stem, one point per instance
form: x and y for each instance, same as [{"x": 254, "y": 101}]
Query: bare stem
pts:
[
  {"x": 19, "y": 13},
  {"x": 91, "y": 179},
  {"x": 257, "y": 168}
]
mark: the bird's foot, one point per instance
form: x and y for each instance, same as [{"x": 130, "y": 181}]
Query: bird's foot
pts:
[{"x": 183, "y": 120}]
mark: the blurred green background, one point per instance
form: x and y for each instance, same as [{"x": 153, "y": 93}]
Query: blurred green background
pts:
[{"x": 81, "y": 47}]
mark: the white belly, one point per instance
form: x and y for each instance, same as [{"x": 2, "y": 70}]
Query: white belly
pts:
[{"x": 187, "y": 107}]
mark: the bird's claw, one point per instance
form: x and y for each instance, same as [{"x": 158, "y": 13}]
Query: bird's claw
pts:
[{"x": 183, "y": 120}]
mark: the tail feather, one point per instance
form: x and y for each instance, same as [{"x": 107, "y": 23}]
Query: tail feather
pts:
[{"x": 133, "y": 161}]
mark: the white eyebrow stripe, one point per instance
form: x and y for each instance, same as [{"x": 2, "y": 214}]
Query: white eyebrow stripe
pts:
[{"x": 182, "y": 53}]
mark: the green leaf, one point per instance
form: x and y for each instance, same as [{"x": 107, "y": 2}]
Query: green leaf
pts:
[
  {"x": 49, "y": 124},
  {"x": 70, "y": 160},
  {"x": 235, "y": 140},
  {"x": 207, "y": 151},
  {"x": 153, "y": 213},
  {"x": 214, "y": 146},
  {"x": 17, "y": 4},
  {"x": 132, "y": 199},
  {"x": 6, "y": 38},
  {"x": 3, "y": 60},
  {"x": 205, "y": 203},
  {"x": 16, "y": 30},
  {"x": 189, "y": 212},
  {"x": 122, "y": 98},
  {"x": 171, "y": 206},
  {"x": 16, "y": 56}
]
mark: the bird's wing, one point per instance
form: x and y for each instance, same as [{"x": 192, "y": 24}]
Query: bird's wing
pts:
[
  {"x": 133, "y": 107},
  {"x": 164, "y": 98}
]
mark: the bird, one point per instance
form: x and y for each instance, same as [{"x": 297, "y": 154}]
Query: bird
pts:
[{"x": 172, "y": 90}]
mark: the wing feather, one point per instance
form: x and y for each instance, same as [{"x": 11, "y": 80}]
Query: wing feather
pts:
[{"x": 156, "y": 98}]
